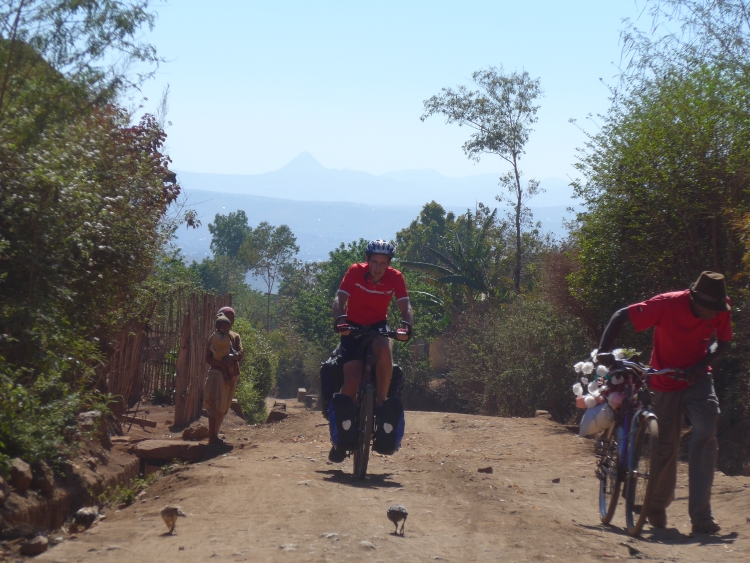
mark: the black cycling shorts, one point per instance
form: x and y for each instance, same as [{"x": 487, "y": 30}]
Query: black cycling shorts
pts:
[{"x": 352, "y": 346}]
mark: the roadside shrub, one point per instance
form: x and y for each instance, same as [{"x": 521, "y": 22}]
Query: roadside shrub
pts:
[
  {"x": 512, "y": 359},
  {"x": 257, "y": 371},
  {"x": 299, "y": 362}
]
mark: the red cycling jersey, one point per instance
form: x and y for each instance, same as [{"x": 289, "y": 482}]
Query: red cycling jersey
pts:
[
  {"x": 368, "y": 301},
  {"x": 680, "y": 339}
]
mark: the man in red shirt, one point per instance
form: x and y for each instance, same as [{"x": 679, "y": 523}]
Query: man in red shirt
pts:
[
  {"x": 692, "y": 329},
  {"x": 363, "y": 299}
]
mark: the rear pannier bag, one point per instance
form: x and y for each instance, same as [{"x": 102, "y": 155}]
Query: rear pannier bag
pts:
[
  {"x": 390, "y": 426},
  {"x": 342, "y": 422}
]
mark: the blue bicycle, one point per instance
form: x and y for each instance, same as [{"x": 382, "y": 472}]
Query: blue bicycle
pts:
[{"x": 628, "y": 449}]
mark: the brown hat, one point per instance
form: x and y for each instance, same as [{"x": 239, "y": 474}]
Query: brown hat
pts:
[
  {"x": 710, "y": 291},
  {"x": 220, "y": 318}
]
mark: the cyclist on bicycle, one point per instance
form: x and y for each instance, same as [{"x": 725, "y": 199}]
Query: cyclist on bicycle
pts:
[
  {"x": 362, "y": 300},
  {"x": 692, "y": 329}
]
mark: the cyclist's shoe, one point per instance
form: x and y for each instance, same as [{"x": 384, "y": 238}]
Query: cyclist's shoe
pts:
[
  {"x": 336, "y": 456},
  {"x": 658, "y": 518},
  {"x": 706, "y": 527}
]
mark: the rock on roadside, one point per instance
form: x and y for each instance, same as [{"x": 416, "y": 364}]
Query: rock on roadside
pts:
[
  {"x": 86, "y": 516},
  {"x": 276, "y": 415},
  {"x": 196, "y": 433},
  {"x": 34, "y": 546},
  {"x": 20, "y": 475},
  {"x": 167, "y": 450}
]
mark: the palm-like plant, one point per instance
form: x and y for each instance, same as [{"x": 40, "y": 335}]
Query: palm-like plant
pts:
[{"x": 464, "y": 264}]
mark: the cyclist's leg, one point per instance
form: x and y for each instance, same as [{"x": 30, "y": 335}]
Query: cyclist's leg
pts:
[
  {"x": 384, "y": 368},
  {"x": 352, "y": 378}
]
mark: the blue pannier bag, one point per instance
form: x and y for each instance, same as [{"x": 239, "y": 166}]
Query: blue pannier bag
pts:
[
  {"x": 390, "y": 427},
  {"x": 332, "y": 379},
  {"x": 342, "y": 422}
]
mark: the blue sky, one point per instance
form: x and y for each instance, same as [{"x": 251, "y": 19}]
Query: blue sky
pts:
[{"x": 253, "y": 84}]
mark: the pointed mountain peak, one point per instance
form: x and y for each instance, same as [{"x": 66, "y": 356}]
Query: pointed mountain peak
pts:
[{"x": 304, "y": 162}]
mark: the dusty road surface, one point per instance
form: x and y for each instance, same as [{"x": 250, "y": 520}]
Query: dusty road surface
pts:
[{"x": 275, "y": 497}]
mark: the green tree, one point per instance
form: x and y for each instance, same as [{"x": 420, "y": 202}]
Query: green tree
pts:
[
  {"x": 670, "y": 163},
  {"x": 78, "y": 40},
  {"x": 228, "y": 232},
  {"x": 267, "y": 251},
  {"x": 501, "y": 112},
  {"x": 429, "y": 230}
]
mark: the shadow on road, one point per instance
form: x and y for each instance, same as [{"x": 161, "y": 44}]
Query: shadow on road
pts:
[
  {"x": 671, "y": 536},
  {"x": 372, "y": 479}
]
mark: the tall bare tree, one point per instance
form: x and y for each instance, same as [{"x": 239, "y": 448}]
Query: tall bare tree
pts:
[{"x": 501, "y": 112}]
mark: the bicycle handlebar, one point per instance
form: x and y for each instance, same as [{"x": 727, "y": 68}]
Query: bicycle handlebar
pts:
[
  {"x": 369, "y": 331},
  {"x": 674, "y": 373}
]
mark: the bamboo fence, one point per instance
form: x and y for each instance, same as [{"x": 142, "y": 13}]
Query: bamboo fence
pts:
[
  {"x": 164, "y": 354},
  {"x": 161, "y": 346},
  {"x": 122, "y": 370},
  {"x": 191, "y": 365}
]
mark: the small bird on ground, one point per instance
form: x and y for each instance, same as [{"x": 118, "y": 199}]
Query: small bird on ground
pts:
[
  {"x": 397, "y": 513},
  {"x": 169, "y": 514}
]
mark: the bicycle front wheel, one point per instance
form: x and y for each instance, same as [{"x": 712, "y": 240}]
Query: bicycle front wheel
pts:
[
  {"x": 640, "y": 480},
  {"x": 608, "y": 472},
  {"x": 362, "y": 453}
]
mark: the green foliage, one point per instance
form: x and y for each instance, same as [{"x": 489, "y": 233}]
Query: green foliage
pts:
[
  {"x": 220, "y": 275},
  {"x": 257, "y": 371},
  {"x": 38, "y": 411},
  {"x": 268, "y": 251},
  {"x": 512, "y": 359},
  {"x": 77, "y": 41},
  {"x": 84, "y": 194},
  {"x": 299, "y": 362},
  {"x": 228, "y": 232},
  {"x": 670, "y": 164},
  {"x": 126, "y": 494}
]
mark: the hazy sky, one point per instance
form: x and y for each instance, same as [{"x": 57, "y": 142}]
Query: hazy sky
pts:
[{"x": 254, "y": 83}]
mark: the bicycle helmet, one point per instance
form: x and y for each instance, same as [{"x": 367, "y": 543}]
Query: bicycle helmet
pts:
[{"x": 380, "y": 247}]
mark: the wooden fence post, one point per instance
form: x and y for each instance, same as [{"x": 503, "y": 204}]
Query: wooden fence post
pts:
[{"x": 182, "y": 375}]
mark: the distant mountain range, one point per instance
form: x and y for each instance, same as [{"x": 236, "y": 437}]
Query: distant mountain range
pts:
[
  {"x": 305, "y": 179},
  {"x": 325, "y": 207}
]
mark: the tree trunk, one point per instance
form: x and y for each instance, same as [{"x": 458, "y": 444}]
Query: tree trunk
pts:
[
  {"x": 268, "y": 311},
  {"x": 517, "y": 269}
]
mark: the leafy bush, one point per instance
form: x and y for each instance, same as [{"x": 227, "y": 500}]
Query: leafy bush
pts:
[
  {"x": 257, "y": 371},
  {"x": 299, "y": 362},
  {"x": 513, "y": 359}
]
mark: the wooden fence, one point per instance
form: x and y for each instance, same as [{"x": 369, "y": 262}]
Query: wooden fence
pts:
[
  {"x": 161, "y": 345},
  {"x": 165, "y": 354},
  {"x": 122, "y": 369},
  {"x": 191, "y": 365}
]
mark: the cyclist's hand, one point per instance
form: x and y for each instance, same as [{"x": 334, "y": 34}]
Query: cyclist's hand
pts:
[
  {"x": 341, "y": 326},
  {"x": 404, "y": 333}
]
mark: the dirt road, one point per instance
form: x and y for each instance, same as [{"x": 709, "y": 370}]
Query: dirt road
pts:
[{"x": 275, "y": 497}]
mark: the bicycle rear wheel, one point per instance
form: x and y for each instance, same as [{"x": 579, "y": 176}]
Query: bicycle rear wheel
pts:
[
  {"x": 607, "y": 470},
  {"x": 362, "y": 453},
  {"x": 639, "y": 484}
]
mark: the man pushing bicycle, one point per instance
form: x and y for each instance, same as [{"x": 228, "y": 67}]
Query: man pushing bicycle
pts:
[
  {"x": 362, "y": 300},
  {"x": 685, "y": 325}
]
